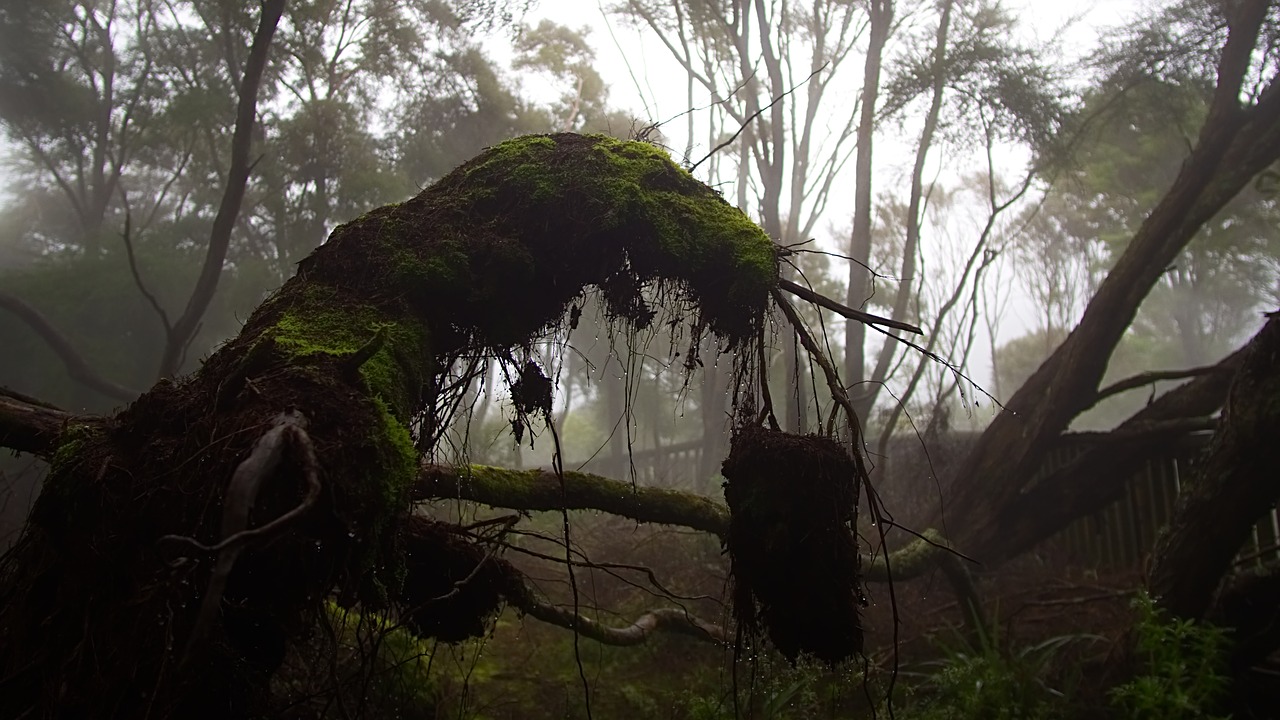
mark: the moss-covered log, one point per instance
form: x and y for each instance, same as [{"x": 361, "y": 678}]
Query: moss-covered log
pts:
[
  {"x": 544, "y": 490},
  {"x": 99, "y": 601}
]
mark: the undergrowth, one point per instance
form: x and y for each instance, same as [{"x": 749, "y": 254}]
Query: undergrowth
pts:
[
  {"x": 1183, "y": 668},
  {"x": 979, "y": 677}
]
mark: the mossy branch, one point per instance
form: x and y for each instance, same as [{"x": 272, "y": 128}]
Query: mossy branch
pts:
[{"x": 540, "y": 490}]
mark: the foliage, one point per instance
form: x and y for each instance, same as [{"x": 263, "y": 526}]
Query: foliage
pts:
[
  {"x": 769, "y": 688},
  {"x": 979, "y": 677},
  {"x": 1184, "y": 668},
  {"x": 1132, "y": 144},
  {"x": 361, "y": 663},
  {"x": 95, "y": 302},
  {"x": 120, "y": 115}
]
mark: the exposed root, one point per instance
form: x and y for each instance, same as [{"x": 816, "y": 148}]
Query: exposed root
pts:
[{"x": 288, "y": 431}]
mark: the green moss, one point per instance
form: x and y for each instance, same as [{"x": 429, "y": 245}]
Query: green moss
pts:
[
  {"x": 400, "y": 458},
  {"x": 523, "y": 158},
  {"x": 321, "y": 323},
  {"x": 910, "y": 560},
  {"x": 386, "y": 495},
  {"x": 673, "y": 227},
  {"x": 74, "y": 439}
]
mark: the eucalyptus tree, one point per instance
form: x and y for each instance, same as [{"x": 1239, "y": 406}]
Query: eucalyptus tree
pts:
[
  {"x": 1238, "y": 139},
  {"x": 773, "y": 73},
  {"x": 956, "y": 69},
  {"x": 977, "y": 89},
  {"x": 1206, "y": 301}
]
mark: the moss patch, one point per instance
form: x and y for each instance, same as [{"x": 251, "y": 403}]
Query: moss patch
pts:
[{"x": 497, "y": 250}]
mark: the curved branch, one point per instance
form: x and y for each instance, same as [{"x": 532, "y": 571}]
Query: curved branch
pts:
[
  {"x": 288, "y": 431},
  {"x": 672, "y": 620},
  {"x": 77, "y": 368},
  {"x": 1147, "y": 378}
]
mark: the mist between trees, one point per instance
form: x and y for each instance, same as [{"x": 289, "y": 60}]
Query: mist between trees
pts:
[{"x": 172, "y": 163}]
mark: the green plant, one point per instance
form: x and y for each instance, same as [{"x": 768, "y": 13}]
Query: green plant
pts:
[
  {"x": 770, "y": 688},
  {"x": 1183, "y": 668},
  {"x": 978, "y": 677}
]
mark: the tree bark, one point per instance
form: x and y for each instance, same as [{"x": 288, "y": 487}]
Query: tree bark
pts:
[
  {"x": 1234, "y": 145},
  {"x": 1232, "y": 488},
  {"x": 1101, "y": 475},
  {"x": 224, "y": 223},
  {"x": 855, "y": 334}
]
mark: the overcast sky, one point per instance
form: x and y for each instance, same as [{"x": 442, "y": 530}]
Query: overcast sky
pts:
[{"x": 645, "y": 81}]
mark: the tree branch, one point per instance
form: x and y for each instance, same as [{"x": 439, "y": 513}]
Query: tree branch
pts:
[
  {"x": 672, "y": 620},
  {"x": 1148, "y": 378},
  {"x": 1233, "y": 486},
  {"x": 1144, "y": 431},
  {"x": 1100, "y": 475},
  {"x": 540, "y": 490},
  {"x": 805, "y": 293},
  {"x": 77, "y": 367},
  {"x": 224, "y": 222},
  {"x": 29, "y": 425}
]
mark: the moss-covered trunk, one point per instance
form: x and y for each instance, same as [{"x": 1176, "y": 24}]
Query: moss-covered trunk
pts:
[{"x": 100, "y": 602}]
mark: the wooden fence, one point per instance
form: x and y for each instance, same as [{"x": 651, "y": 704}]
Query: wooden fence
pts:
[{"x": 1123, "y": 533}]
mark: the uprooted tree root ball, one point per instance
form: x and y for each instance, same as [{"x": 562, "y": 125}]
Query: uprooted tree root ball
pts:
[
  {"x": 307, "y": 416},
  {"x": 792, "y": 504}
]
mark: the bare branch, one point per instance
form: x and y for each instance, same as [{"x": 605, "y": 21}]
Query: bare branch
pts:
[
  {"x": 133, "y": 268},
  {"x": 77, "y": 367},
  {"x": 751, "y": 117},
  {"x": 1148, "y": 378},
  {"x": 672, "y": 620},
  {"x": 805, "y": 293}
]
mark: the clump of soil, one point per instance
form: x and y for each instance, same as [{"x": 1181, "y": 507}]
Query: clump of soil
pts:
[
  {"x": 793, "y": 502},
  {"x": 453, "y": 587}
]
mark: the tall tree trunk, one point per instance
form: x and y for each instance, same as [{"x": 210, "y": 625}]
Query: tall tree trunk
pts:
[
  {"x": 855, "y": 333},
  {"x": 915, "y": 219}
]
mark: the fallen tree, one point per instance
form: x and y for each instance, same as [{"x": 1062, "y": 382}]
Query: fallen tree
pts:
[{"x": 178, "y": 545}]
